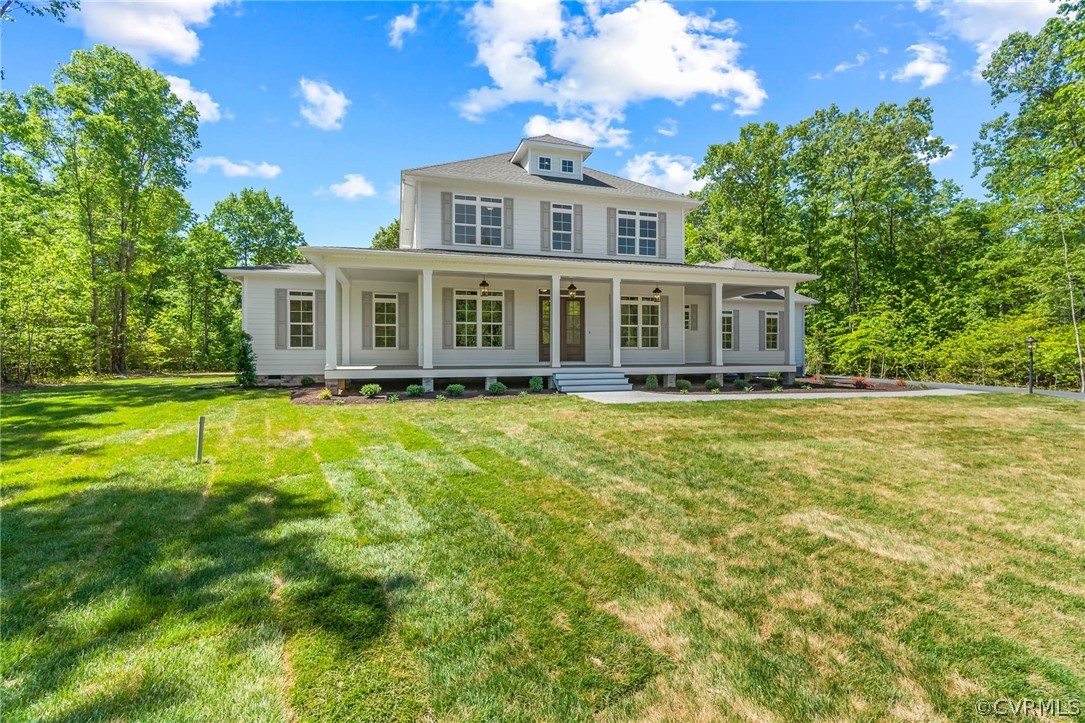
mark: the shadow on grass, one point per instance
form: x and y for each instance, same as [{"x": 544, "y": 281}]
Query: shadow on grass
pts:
[{"x": 164, "y": 586}]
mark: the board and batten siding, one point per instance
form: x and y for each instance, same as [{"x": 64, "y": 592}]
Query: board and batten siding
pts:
[{"x": 526, "y": 226}]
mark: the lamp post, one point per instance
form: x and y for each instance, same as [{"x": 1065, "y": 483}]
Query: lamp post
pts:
[{"x": 1031, "y": 342}]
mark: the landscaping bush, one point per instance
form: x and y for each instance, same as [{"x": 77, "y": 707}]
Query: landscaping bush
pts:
[
  {"x": 246, "y": 362},
  {"x": 325, "y": 393},
  {"x": 712, "y": 385},
  {"x": 415, "y": 390},
  {"x": 393, "y": 398},
  {"x": 535, "y": 384},
  {"x": 307, "y": 381},
  {"x": 371, "y": 390},
  {"x": 523, "y": 393},
  {"x": 860, "y": 383},
  {"x": 651, "y": 382},
  {"x": 683, "y": 385},
  {"x": 455, "y": 390},
  {"x": 742, "y": 385},
  {"x": 497, "y": 389}
]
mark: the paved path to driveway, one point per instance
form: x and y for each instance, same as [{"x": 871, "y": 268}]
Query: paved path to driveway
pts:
[
  {"x": 979, "y": 388},
  {"x": 635, "y": 397}
]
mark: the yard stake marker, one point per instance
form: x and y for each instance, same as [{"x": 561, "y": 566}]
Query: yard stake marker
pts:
[{"x": 199, "y": 442}]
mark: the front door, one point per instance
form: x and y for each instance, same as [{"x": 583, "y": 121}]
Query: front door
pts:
[{"x": 572, "y": 329}]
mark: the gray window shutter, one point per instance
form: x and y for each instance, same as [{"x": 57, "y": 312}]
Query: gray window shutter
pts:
[
  {"x": 544, "y": 224},
  {"x": 735, "y": 338},
  {"x": 446, "y": 217},
  {"x": 282, "y": 317},
  {"x": 664, "y": 323},
  {"x": 319, "y": 317},
  {"x": 693, "y": 317},
  {"x": 367, "y": 319},
  {"x": 612, "y": 232},
  {"x": 661, "y": 235},
  {"x": 403, "y": 321},
  {"x": 578, "y": 229},
  {"x": 507, "y": 210},
  {"x": 448, "y": 328},
  {"x": 508, "y": 313},
  {"x": 761, "y": 330}
]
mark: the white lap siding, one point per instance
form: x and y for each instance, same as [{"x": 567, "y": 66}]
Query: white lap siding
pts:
[
  {"x": 675, "y": 351},
  {"x": 698, "y": 341},
  {"x": 406, "y": 321},
  {"x": 748, "y": 340},
  {"x": 258, "y": 319}
]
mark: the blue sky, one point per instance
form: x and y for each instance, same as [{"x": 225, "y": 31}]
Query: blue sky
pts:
[{"x": 323, "y": 103}]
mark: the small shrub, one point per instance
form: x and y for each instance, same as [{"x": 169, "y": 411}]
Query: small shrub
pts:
[
  {"x": 714, "y": 391},
  {"x": 246, "y": 362},
  {"x": 900, "y": 383},
  {"x": 742, "y": 385},
  {"x": 455, "y": 390},
  {"x": 340, "y": 402},
  {"x": 683, "y": 385},
  {"x": 535, "y": 384},
  {"x": 371, "y": 390},
  {"x": 415, "y": 390},
  {"x": 860, "y": 383},
  {"x": 325, "y": 393},
  {"x": 806, "y": 386},
  {"x": 523, "y": 393},
  {"x": 497, "y": 389},
  {"x": 712, "y": 385},
  {"x": 307, "y": 381},
  {"x": 393, "y": 398},
  {"x": 442, "y": 398},
  {"x": 776, "y": 388},
  {"x": 651, "y": 382}
]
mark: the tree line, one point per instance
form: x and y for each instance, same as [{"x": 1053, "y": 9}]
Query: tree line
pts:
[
  {"x": 918, "y": 281},
  {"x": 106, "y": 268}
]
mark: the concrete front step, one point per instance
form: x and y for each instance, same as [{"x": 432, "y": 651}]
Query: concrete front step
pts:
[
  {"x": 591, "y": 380},
  {"x": 596, "y": 387}
]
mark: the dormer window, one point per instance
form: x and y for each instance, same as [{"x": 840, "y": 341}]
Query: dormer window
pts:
[
  {"x": 477, "y": 220},
  {"x": 566, "y": 165},
  {"x": 544, "y": 163}
]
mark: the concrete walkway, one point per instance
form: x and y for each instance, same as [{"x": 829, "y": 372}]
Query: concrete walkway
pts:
[
  {"x": 980, "y": 388},
  {"x": 635, "y": 397}
]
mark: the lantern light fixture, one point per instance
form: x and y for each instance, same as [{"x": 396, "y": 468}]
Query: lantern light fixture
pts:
[
  {"x": 657, "y": 293},
  {"x": 572, "y": 291},
  {"x": 483, "y": 288}
]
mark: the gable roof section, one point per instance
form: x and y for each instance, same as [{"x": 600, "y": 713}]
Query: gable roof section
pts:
[
  {"x": 547, "y": 138},
  {"x": 499, "y": 168}
]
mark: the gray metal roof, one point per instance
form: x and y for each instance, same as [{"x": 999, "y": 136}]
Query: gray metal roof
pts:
[
  {"x": 499, "y": 168},
  {"x": 736, "y": 264},
  {"x": 777, "y": 296}
]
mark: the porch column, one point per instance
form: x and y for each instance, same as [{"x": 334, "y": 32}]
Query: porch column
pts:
[
  {"x": 555, "y": 320},
  {"x": 717, "y": 324},
  {"x": 785, "y": 325},
  {"x": 615, "y": 322},
  {"x": 425, "y": 329},
  {"x": 331, "y": 331},
  {"x": 344, "y": 337}
]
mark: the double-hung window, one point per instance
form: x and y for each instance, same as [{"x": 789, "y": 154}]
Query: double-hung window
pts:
[
  {"x": 302, "y": 318},
  {"x": 561, "y": 228},
  {"x": 772, "y": 330},
  {"x": 727, "y": 327},
  {"x": 566, "y": 165},
  {"x": 480, "y": 320},
  {"x": 640, "y": 322},
  {"x": 637, "y": 233},
  {"x": 477, "y": 220},
  {"x": 385, "y": 321}
]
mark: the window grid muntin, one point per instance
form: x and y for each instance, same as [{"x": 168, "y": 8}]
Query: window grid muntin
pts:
[
  {"x": 772, "y": 330},
  {"x": 638, "y": 233},
  {"x": 385, "y": 321},
  {"x": 544, "y": 163},
  {"x": 566, "y": 165},
  {"x": 477, "y": 220},
  {"x": 727, "y": 330},
  {"x": 641, "y": 322},
  {"x": 561, "y": 227},
  {"x": 301, "y": 310},
  {"x": 479, "y": 320}
]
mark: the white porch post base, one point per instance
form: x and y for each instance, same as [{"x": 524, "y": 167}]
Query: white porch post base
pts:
[
  {"x": 718, "y": 377},
  {"x": 669, "y": 380},
  {"x": 427, "y": 384},
  {"x": 489, "y": 381},
  {"x": 788, "y": 378}
]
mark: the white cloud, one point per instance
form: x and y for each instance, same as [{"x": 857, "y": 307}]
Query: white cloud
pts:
[
  {"x": 353, "y": 187},
  {"x": 673, "y": 173},
  {"x": 230, "y": 169},
  {"x": 844, "y": 66},
  {"x": 949, "y": 154},
  {"x": 322, "y": 105},
  {"x": 148, "y": 29},
  {"x": 207, "y": 108},
  {"x": 930, "y": 65},
  {"x": 602, "y": 61},
  {"x": 985, "y": 23},
  {"x": 860, "y": 28},
  {"x": 402, "y": 25},
  {"x": 667, "y": 127},
  {"x": 589, "y": 130}
]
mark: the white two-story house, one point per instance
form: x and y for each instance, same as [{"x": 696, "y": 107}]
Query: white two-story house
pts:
[{"x": 524, "y": 263}]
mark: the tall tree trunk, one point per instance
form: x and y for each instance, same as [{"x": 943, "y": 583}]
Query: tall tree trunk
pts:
[{"x": 1073, "y": 306}]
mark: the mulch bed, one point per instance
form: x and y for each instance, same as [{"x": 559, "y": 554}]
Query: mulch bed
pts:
[
  {"x": 816, "y": 385},
  {"x": 311, "y": 395}
]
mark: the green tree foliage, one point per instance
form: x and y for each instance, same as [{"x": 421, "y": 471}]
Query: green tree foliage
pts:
[
  {"x": 260, "y": 228},
  {"x": 387, "y": 237},
  {"x": 59, "y": 9}
]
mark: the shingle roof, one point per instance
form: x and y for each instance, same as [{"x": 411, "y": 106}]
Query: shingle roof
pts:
[
  {"x": 280, "y": 268},
  {"x": 777, "y": 296},
  {"x": 499, "y": 168},
  {"x": 547, "y": 138}
]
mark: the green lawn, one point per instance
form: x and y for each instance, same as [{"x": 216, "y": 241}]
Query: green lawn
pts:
[{"x": 537, "y": 559}]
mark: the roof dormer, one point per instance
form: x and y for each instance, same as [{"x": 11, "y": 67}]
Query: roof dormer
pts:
[{"x": 552, "y": 157}]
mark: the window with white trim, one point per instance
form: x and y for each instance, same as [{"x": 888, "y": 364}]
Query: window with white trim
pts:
[
  {"x": 727, "y": 329},
  {"x": 544, "y": 163},
  {"x": 561, "y": 227},
  {"x": 772, "y": 330},
  {"x": 689, "y": 317},
  {"x": 385, "y": 321},
  {"x": 302, "y": 319},
  {"x": 566, "y": 165},
  {"x": 640, "y": 322},
  {"x": 477, "y": 220},
  {"x": 480, "y": 319},
  {"x": 637, "y": 233}
]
